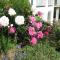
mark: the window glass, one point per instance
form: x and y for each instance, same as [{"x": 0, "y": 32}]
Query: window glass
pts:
[
  {"x": 41, "y": 2},
  {"x": 50, "y": 2},
  {"x": 31, "y": 2}
]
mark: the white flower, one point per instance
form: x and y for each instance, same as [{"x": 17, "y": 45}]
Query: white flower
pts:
[
  {"x": 19, "y": 20},
  {"x": 11, "y": 25},
  {"x": 4, "y": 21},
  {"x": 11, "y": 12}
]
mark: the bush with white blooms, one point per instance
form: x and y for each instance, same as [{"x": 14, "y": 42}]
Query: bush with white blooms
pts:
[
  {"x": 19, "y": 20},
  {"x": 10, "y": 24}
]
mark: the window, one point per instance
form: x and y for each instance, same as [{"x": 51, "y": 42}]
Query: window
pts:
[
  {"x": 55, "y": 2},
  {"x": 58, "y": 2},
  {"x": 50, "y": 2},
  {"x": 41, "y": 2}
]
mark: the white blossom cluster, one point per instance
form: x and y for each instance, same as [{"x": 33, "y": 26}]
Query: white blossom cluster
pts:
[
  {"x": 4, "y": 21},
  {"x": 19, "y": 20},
  {"x": 11, "y": 12}
]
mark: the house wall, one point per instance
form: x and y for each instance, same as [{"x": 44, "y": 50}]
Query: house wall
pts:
[
  {"x": 57, "y": 10},
  {"x": 47, "y": 11},
  {"x": 58, "y": 2}
]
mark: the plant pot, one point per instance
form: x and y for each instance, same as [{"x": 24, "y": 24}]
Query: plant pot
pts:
[{"x": 11, "y": 54}]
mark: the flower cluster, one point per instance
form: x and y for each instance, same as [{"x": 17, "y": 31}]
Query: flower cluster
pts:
[
  {"x": 11, "y": 12},
  {"x": 35, "y": 29},
  {"x": 19, "y": 20},
  {"x": 34, "y": 26},
  {"x": 11, "y": 29},
  {"x": 5, "y": 21}
]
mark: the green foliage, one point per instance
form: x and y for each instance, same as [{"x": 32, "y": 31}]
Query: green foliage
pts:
[
  {"x": 54, "y": 37},
  {"x": 6, "y": 41},
  {"x": 41, "y": 52},
  {"x": 38, "y": 18},
  {"x": 5, "y": 44},
  {"x": 22, "y": 7}
]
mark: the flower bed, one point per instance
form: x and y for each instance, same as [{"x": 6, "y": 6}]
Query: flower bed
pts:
[{"x": 20, "y": 29}]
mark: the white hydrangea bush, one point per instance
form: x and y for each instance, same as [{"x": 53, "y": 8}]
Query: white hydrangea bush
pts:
[{"x": 4, "y": 20}]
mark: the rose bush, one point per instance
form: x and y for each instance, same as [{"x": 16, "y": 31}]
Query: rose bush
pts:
[{"x": 37, "y": 29}]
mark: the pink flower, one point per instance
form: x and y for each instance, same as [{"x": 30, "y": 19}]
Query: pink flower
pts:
[
  {"x": 38, "y": 25},
  {"x": 39, "y": 13},
  {"x": 31, "y": 31},
  {"x": 40, "y": 35},
  {"x": 49, "y": 29},
  {"x": 11, "y": 29},
  {"x": 46, "y": 33},
  {"x": 33, "y": 41},
  {"x": 32, "y": 19}
]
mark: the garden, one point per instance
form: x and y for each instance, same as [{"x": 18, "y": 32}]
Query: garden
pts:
[{"x": 25, "y": 35}]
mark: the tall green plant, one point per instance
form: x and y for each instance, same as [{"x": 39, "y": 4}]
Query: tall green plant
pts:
[
  {"x": 22, "y": 7},
  {"x": 54, "y": 37}
]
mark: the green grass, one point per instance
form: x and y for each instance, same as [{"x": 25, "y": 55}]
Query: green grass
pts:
[{"x": 41, "y": 51}]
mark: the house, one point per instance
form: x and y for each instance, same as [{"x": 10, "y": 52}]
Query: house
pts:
[
  {"x": 49, "y": 8},
  {"x": 56, "y": 10},
  {"x": 46, "y": 7}
]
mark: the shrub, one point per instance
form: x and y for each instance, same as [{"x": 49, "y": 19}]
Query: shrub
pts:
[
  {"x": 54, "y": 37},
  {"x": 22, "y": 7}
]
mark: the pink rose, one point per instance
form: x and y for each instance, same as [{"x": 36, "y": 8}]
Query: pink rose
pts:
[
  {"x": 11, "y": 29},
  {"x": 32, "y": 19},
  {"x": 46, "y": 33},
  {"x": 33, "y": 41},
  {"x": 40, "y": 35},
  {"x": 38, "y": 25},
  {"x": 31, "y": 31},
  {"x": 39, "y": 13}
]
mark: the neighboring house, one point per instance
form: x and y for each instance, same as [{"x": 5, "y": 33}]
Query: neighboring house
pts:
[
  {"x": 57, "y": 10},
  {"x": 49, "y": 8},
  {"x": 46, "y": 7}
]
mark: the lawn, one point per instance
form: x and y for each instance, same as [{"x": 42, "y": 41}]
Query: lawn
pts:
[{"x": 41, "y": 51}]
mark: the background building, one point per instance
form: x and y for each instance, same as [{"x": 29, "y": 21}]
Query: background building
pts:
[
  {"x": 49, "y": 8},
  {"x": 57, "y": 10}
]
